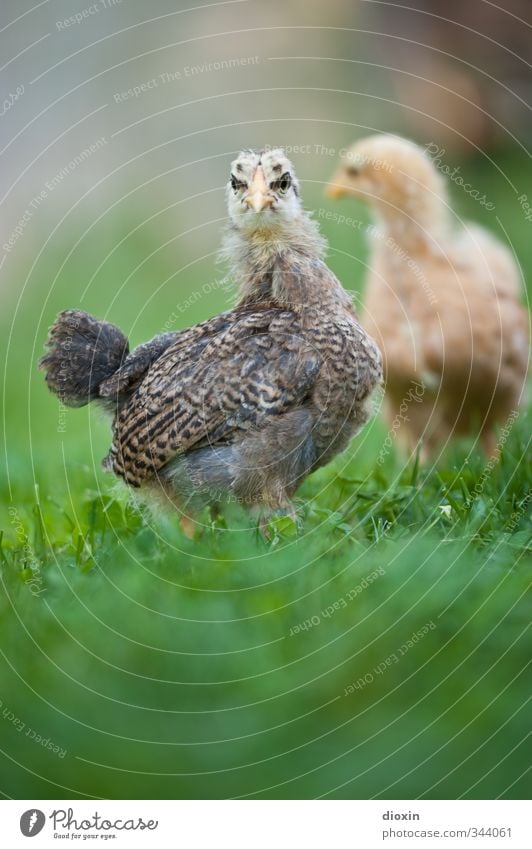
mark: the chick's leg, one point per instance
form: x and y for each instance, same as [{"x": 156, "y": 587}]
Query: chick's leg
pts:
[
  {"x": 489, "y": 442},
  {"x": 271, "y": 463},
  {"x": 261, "y": 470},
  {"x": 188, "y": 526}
]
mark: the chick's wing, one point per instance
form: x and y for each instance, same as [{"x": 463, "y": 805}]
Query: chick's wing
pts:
[{"x": 228, "y": 377}]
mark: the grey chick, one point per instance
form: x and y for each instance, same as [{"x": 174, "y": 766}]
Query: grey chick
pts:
[{"x": 246, "y": 404}]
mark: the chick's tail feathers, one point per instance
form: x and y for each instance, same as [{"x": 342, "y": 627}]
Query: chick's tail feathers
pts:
[{"x": 82, "y": 352}]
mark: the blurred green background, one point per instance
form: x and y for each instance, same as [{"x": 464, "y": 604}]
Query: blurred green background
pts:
[{"x": 137, "y": 663}]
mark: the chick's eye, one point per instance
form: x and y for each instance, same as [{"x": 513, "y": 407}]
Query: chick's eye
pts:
[
  {"x": 283, "y": 183},
  {"x": 236, "y": 184}
]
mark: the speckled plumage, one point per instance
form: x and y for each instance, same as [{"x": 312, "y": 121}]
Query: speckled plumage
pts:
[{"x": 246, "y": 404}]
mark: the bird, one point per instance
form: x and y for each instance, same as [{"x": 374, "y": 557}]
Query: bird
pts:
[
  {"x": 245, "y": 405},
  {"x": 441, "y": 299}
]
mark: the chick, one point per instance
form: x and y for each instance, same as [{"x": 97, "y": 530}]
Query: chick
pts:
[
  {"x": 442, "y": 303},
  {"x": 246, "y": 404}
]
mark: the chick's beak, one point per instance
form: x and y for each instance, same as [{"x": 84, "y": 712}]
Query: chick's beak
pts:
[
  {"x": 336, "y": 188},
  {"x": 258, "y": 196}
]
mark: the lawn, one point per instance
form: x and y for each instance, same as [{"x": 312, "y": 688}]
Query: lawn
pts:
[{"x": 381, "y": 650}]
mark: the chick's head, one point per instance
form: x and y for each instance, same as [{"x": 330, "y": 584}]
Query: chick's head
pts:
[
  {"x": 395, "y": 176},
  {"x": 262, "y": 192}
]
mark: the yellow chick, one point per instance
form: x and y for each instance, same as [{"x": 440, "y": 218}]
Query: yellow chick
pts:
[{"x": 443, "y": 302}]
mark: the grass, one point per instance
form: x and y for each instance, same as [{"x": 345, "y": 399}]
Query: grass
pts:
[{"x": 382, "y": 650}]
